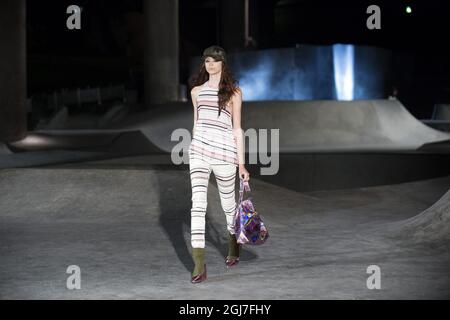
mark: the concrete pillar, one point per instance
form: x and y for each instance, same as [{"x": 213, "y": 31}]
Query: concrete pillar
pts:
[
  {"x": 13, "y": 92},
  {"x": 238, "y": 33},
  {"x": 262, "y": 22},
  {"x": 161, "y": 61},
  {"x": 232, "y": 27}
]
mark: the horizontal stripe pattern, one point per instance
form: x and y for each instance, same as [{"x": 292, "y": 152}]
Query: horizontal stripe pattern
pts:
[
  {"x": 200, "y": 171},
  {"x": 213, "y": 138}
]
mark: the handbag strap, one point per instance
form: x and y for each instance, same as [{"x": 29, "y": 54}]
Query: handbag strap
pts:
[{"x": 244, "y": 186}]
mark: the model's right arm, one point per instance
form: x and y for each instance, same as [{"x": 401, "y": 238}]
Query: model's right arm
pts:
[{"x": 194, "y": 93}]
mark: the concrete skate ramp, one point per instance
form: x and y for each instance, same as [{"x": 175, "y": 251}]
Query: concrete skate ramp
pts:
[
  {"x": 342, "y": 125},
  {"x": 4, "y": 149},
  {"x": 307, "y": 126},
  {"x": 430, "y": 226},
  {"x": 129, "y": 231}
]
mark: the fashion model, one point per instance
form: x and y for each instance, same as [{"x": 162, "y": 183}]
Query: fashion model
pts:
[{"x": 217, "y": 146}]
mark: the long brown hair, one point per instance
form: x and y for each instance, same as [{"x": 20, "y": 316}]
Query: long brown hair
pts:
[{"x": 227, "y": 85}]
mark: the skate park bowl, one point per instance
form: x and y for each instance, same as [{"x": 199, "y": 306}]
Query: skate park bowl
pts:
[
  {"x": 430, "y": 226},
  {"x": 440, "y": 118},
  {"x": 325, "y": 143},
  {"x": 441, "y": 112},
  {"x": 4, "y": 149},
  {"x": 133, "y": 206},
  {"x": 317, "y": 144}
]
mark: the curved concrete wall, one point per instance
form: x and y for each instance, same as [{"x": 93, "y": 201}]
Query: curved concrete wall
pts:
[
  {"x": 441, "y": 112},
  {"x": 307, "y": 126}
]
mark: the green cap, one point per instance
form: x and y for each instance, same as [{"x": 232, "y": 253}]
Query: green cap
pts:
[{"x": 218, "y": 53}]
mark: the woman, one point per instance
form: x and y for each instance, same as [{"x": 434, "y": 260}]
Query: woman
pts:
[{"x": 217, "y": 145}]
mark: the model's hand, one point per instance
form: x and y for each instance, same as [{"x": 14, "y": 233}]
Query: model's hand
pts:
[{"x": 243, "y": 173}]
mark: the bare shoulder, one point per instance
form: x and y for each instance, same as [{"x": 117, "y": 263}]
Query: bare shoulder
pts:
[
  {"x": 195, "y": 90},
  {"x": 237, "y": 96},
  {"x": 238, "y": 92}
]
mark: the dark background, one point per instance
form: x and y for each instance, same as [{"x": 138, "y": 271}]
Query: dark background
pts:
[{"x": 109, "y": 48}]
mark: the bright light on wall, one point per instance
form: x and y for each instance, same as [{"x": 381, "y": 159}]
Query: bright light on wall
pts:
[{"x": 343, "y": 63}]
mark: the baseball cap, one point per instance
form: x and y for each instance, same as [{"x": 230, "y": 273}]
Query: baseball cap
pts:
[{"x": 218, "y": 53}]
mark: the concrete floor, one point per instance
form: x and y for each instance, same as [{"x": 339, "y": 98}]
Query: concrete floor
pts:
[{"x": 128, "y": 229}]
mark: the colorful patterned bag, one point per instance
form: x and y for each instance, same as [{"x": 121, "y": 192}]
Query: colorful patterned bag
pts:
[{"x": 249, "y": 227}]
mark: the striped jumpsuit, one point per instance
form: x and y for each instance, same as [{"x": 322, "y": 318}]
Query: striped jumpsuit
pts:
[{"x": 213, "y": 148}]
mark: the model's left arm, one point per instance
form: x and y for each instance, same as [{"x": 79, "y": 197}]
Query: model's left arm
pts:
[{"x": 238, "y": 132}]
